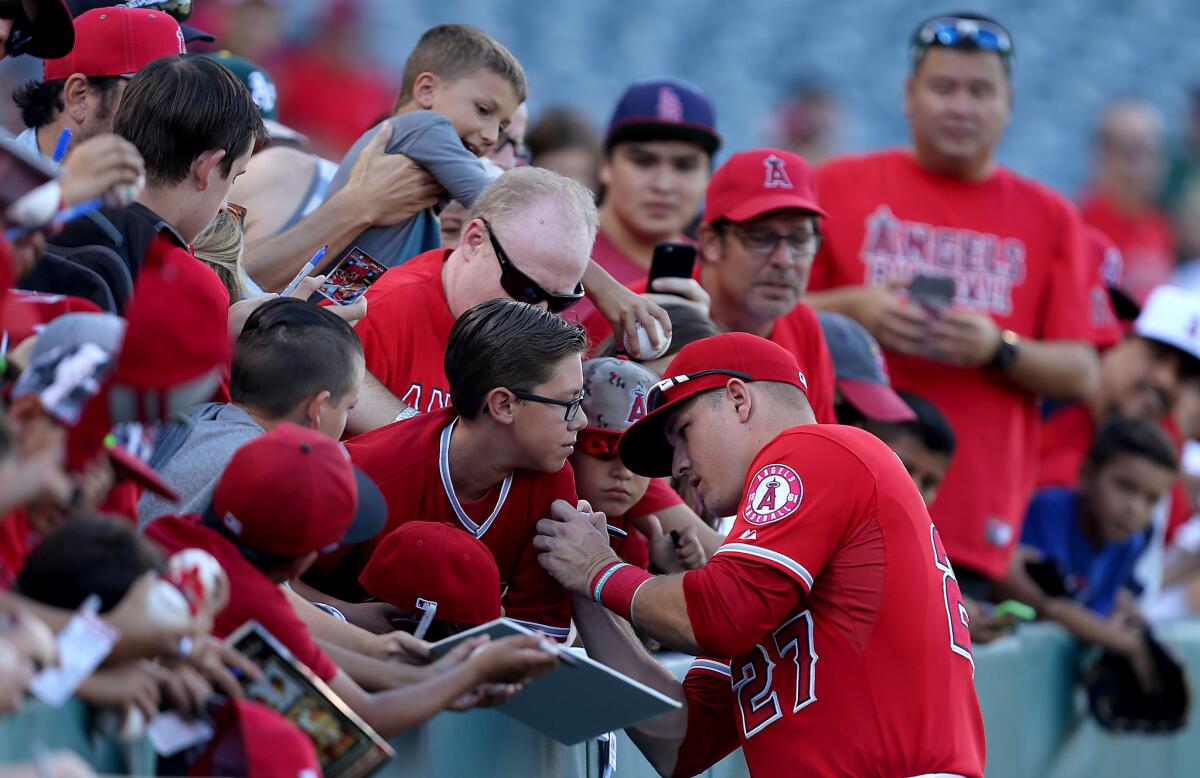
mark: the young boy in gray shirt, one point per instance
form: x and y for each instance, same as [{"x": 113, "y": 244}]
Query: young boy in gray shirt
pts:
[{"x": 460, "y": 89}]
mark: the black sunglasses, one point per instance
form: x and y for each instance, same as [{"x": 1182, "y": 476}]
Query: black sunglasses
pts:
[
  {"x": 524, "y": 289},
  {"x": 657, "y": 391}
]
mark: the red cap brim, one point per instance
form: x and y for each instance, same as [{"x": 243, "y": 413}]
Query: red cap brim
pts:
[
  {"x": 878, "y": 402},
  {"x": 128, "y": 466},
  {"x": 752, "y": 208}
]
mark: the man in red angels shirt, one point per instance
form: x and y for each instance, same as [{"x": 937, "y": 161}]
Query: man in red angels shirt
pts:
[
  {"x": 1017, "y": 327},
  {"x": 830, "y": 627},
  {"x": 493, "y": 462}
]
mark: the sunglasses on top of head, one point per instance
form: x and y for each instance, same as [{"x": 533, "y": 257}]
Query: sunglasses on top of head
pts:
[{"x": 524, "y": 289}]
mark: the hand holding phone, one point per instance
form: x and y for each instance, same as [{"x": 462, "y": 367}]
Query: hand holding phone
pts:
[
  {"x": 671, "y": 260},
  {"x": 933, "y": 293}
]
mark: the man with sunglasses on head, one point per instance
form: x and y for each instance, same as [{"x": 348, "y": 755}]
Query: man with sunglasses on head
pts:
[
  {"x": 527, "y": 238},
  {"x": 828, "y": 627},
  {"x": 1015, "y": 325},
  {"x": 493, "y": 462}
]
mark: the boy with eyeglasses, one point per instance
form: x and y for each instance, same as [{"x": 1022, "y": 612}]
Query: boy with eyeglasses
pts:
[
  {"x": 1018, "y": 326},
  {"x": 493, "y": 462}
]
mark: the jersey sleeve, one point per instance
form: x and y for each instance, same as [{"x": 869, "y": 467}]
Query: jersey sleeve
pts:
[
  {"x": 805, "y": 495},
  {"x": 711, "y": 729},
  {"x": 1072, "y": 270}
]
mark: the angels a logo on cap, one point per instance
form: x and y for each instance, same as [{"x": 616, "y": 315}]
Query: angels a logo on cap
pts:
[
  {"x": 670, "y": 107},
  {"x": 638, "y": 408},
  {"x": 775, "y": 493},
  {"x": 777, "y": 177}
]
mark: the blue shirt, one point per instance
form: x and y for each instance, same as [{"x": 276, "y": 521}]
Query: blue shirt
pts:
[{"x": 1093, "y": 574}]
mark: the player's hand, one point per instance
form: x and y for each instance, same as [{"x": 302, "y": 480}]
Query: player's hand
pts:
[
  {"x": 105, "y": 165},
  {"x": 391, "y": 187},
  {"x": 680, "y": 291},
  {"x": 964, "y": 339},
  {"x": 514, "y": 659},
  {"x": 573, "y": 547}
]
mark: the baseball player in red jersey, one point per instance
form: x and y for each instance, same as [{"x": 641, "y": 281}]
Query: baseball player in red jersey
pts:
[
  {"x": 494, "y": 462},
  {"x": 830, "y": 627},
  {"x": 1018, "y": 326}
]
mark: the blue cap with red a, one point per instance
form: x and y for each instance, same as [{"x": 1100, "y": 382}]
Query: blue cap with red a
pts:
[{"x": 664, "y": 109}]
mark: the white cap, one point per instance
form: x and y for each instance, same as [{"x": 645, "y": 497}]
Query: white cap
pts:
[{"x": 1171, "y": 315}]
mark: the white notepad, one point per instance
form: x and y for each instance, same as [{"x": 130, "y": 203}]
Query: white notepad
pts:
[{"x": 572, "y": 703}]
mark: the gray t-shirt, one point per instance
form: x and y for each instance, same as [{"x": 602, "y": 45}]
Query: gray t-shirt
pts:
[
  {"x": 193, "y": 465},
  {"x": 429, "y": 139}
]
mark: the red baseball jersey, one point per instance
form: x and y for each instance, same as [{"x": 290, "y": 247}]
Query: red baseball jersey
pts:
[
  {"x": 409, "y": 462},
  {"x": 1017, "y": 253},
  {"x": 839, "y": 620},
  {"x": 405, "y": 333},
  {"x": 799, "y": 332},
  {"x": 1146, "y": 242},
  {"x": 252, "y": 595}
]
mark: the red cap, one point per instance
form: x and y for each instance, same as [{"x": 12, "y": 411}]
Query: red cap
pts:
[
  {"x": 432, "y": 561},
  {"x": 759, "y": 181},
  {"x": 292, "y": 491},
  {"x": 253, "y": 740},
  {"x": 117, "y": 41},
  {"x": 177, "y": 333},
  {"x": 644, "y": 448}
]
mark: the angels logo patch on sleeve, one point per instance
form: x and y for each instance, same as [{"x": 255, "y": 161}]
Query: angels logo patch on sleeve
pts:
[{"x": 775, "y": 493}]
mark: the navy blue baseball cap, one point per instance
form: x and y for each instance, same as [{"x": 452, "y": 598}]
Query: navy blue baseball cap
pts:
[{"x": 664, "y": 109}]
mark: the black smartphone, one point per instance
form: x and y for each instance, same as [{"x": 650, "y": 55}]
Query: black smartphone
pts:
[
  {"x": 671, "y": 260},
  {"x": 935, "y": 293}
]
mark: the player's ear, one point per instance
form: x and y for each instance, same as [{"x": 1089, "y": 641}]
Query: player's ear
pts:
[
  {"x": 205, "y": 165},
  {"x": 740, "y": 398},
  {"x": 472, "y": 237},
  {"x": 500, "y": 404},
  {"x": 314, "y": 406},
  {"x": 709, "y": 243}
]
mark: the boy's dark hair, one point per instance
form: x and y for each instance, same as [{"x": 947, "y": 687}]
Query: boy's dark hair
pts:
[
  {"x": 41, "y": 101},
  {"x": 176, "y": 108},
  {"x": 289, "y": 351},
  {"x": 505, "y": 343},
  {"x": 687, "y": 326},
  {"x": 451, "y": 51},
  {"x": 931, "y": 427},
  {"x": 81, "y": 557},
  {"x": 1135, "y": 437},
  {"x": 563, "y": 128}
]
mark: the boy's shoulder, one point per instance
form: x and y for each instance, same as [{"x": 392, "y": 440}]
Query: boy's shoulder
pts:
[
  {"x": 1051, "y": 513},
  {"x": 423, "y": 126}
]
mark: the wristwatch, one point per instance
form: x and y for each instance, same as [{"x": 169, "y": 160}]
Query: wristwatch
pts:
[{"x": 1006, "y": 352}]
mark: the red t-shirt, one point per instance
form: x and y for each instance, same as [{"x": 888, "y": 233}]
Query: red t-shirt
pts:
[
  {"x": 405, "y": 332},
  {"x": 799, "y": 332},
  {"x": 1145, "y": 240},
  {"x": 252, "y": 595},
  {"x": 405, "y": 459},
  {"x": 1017, "y": 252},
  {"x": 1068, "y": 434},
  {"x": 1106, "y": 327},
  {"x": 838, "y": 606}
]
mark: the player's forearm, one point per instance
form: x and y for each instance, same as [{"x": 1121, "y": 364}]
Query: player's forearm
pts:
[
  {"x": 610, "y": 639},
  {"x": 660, "y": 611},
  {"x": 1061, "y": 370},
  {"x": 376, "y": 408},
  {"x": 273, "y": 261}
]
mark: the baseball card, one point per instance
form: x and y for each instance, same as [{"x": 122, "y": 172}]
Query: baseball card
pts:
[{"x": 351, "y": 278}]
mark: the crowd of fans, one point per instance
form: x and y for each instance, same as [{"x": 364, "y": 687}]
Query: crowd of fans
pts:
[{"x": 173, "y": 380}]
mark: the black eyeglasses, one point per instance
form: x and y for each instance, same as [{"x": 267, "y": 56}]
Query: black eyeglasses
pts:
[
  {"x": 957, "y": 33},
  {"x": 524, "y": 289},
  {"x": 657, "y": 391},
  {"x": 802, "y": 245},
  {"x": 571, "y": 406},
  {"x": 521, "y": 152}
]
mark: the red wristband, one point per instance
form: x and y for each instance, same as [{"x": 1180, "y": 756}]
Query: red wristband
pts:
[
  {"x": 599, "y": 578},
  {"x": 618, "y": 591}
]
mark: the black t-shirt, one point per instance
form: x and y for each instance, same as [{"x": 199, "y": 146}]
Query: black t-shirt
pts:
[{"x": 98, "y": 256}]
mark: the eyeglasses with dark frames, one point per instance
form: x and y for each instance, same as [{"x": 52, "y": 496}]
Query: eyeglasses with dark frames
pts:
[
  {"x": 524, "y": 289},
  {"x": 763, "y": 244},
  {"x": 571, "y": 407}
]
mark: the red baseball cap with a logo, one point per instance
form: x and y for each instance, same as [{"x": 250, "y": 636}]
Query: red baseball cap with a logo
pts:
[
  {"x": 698, "y": 367},
  {"x": 117, "y": 41},
  {"x": 292, "y": 491},
  {"x": 759, "y": 181},
  {"x": 432, "y": 561}
]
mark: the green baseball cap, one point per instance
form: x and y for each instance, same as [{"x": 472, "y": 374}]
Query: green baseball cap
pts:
[{"x": 262, "y": 91}]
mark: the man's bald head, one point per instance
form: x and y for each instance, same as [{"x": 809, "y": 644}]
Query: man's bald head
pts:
[{"x": 1129, "y": 152}]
